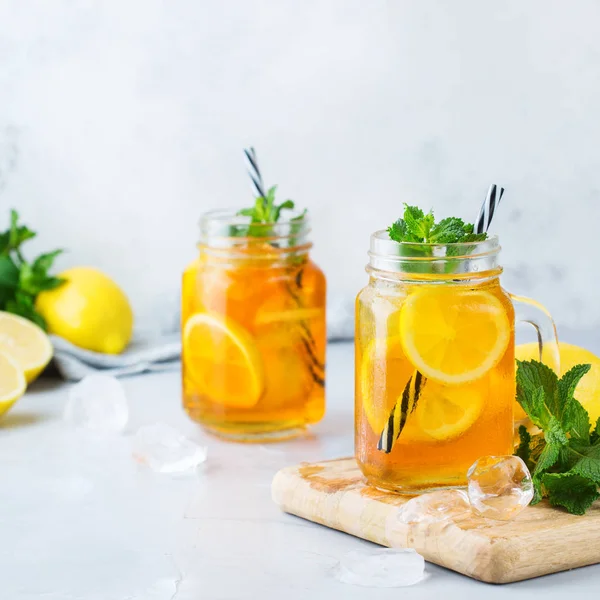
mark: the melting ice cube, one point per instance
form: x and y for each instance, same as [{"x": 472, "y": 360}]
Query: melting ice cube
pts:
[
  {"x": 500, "y": 487},
  {"x": 98, "y": 403},
  {"x": 382, "y": 567},
  {"x": 434, "y": 506},
  {"x": 165, "y": 450}
]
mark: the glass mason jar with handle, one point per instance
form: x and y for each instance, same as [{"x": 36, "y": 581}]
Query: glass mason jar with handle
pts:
[
  {"x": 435, "y": 366},
  {"x": 253, "y": 329}
]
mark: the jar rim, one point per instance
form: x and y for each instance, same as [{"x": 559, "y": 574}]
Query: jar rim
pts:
[
  {"x": 225, "y": 227},
  {"x": 387, "y": 255},
  {"x": 231, "y": 214}
]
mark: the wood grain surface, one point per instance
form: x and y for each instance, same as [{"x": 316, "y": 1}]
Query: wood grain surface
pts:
[{"x": 539, "y": 541}]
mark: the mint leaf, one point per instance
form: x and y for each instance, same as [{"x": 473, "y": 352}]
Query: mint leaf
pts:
[
  {"x": 288, "y": 204},
  {"x": 595, "y": 435},
  {"x": 398, "y": 231},
  {"x": 533, "y": 402},
  {"x": 473, "y": 237},
  {"x": 15, "y": 236},
  {"x": 413, "y": 217},
  {"x": 448, "y": 231},
  {"x": 43, "y": 263},
  {"x": 568, "y": 382},
  {"x": 547, "y": 459},
  {"x": 571, "y": 491},
  {"x": 426, "y": 225},
  {"x": 263, "y": 214},
  {"x": 270, "y": 203},
  {"x": 533, "y": 376},
  {"x": 417, "y": 227},
  {"x": 20, "y": 280},
  {"x": 554, "y": 434},
  {"x": 524, "y": 450},
  {"x": 9, "y": 273},
  {"x": 575, "y": 418},
  {"x": 576, "y": 421},
  {"x": 585, "y": 461},
  {"x": 23, "y": 305}
]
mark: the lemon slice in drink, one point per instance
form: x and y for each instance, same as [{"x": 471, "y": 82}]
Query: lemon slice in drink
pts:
[
  {"x": 453, "y": 336},
  {"x": 222, "y": 359},
  {"x": 384, "y": 373},
  {"x": 12, "y": 382},
  {"x": 26, "y": 343},
  {"x": 444, "y": 413}
]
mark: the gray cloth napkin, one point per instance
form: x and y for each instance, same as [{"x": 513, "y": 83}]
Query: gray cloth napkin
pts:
[
  {"x": 141, "y": 356},
  {"x": 163, "y": 353}
]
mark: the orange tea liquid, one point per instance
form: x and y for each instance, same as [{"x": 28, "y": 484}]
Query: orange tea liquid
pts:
[
  {"x": 459, "y": 338},
  {"x": 253, "y": 334}
]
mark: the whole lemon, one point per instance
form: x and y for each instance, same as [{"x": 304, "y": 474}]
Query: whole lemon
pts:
[
  {"x": 587, "y": 390},
  {"x": 89, "y": 310}
]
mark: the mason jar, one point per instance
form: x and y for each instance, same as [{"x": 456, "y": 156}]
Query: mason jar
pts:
[
  {"x": 435, "y": 364},
  {"x": 253, "y": 329}
]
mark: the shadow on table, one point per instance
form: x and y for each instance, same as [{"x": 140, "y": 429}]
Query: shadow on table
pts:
[{"x": 22, "y": 419}]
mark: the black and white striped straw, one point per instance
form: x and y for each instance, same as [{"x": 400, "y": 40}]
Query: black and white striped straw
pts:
[
  {"x": 486, "y": 213},
  {"x": 258, "y": 187}
]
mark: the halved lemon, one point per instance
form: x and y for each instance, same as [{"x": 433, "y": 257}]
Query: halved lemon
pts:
[
  {"x": 12, "y": 382},
  {"x": 384, "y": 372},
  {"x": 453, "y": 336},
  {"x": 222, "y": 359},
  {"x": 444, "y": 413},
  {"x": 26, "y": 343}
]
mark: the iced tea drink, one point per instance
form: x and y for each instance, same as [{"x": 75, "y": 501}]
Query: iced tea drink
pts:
[
  {"x": 435, "y": 368},
  {"x": 253, "y": 329}
]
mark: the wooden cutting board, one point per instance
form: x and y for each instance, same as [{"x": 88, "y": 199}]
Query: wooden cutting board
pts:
[{"x": 539, "y": 541}]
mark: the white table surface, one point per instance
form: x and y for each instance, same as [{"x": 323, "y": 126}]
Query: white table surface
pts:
[{"x": 81, "y": 520}]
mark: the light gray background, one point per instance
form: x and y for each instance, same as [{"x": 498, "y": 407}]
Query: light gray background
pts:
[{"x": 128, "y": 118}]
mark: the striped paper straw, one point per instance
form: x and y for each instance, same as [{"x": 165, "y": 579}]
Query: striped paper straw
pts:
[
  {"x": 403, "y": 408},
  {"x": 486, "y": 213},
  {"x": 258, "y": 186}
]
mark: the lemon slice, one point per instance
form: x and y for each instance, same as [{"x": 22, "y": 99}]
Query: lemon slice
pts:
[
  {"x": 444, "y": 413},
  {"x": 454, "y": 336},
  {"x": 384, "y": 372},
  {"x": 12, "y": 382},
  {"x": 222, "y": 359},
  {"x": 26, "y": 343}
]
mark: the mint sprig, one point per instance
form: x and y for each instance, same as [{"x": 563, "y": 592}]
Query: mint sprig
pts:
[
  {"x": 21, "y": 281},
  {"x": 564, "y": 458},
  {"x": 417, "y": 227},
  {"x": 264, "y": 214}
]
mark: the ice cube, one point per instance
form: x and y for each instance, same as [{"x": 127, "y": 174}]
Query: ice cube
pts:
[
  {"x": 442, "y": 505},
  {"x": 165, "y": 450},
  {"x": 98, "y": 402},
  {"x": 500, "y": 487},
  {"x": 381, "y": 567}
]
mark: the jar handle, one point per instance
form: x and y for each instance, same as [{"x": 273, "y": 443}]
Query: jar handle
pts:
[{"x": 532, "y": 312}]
